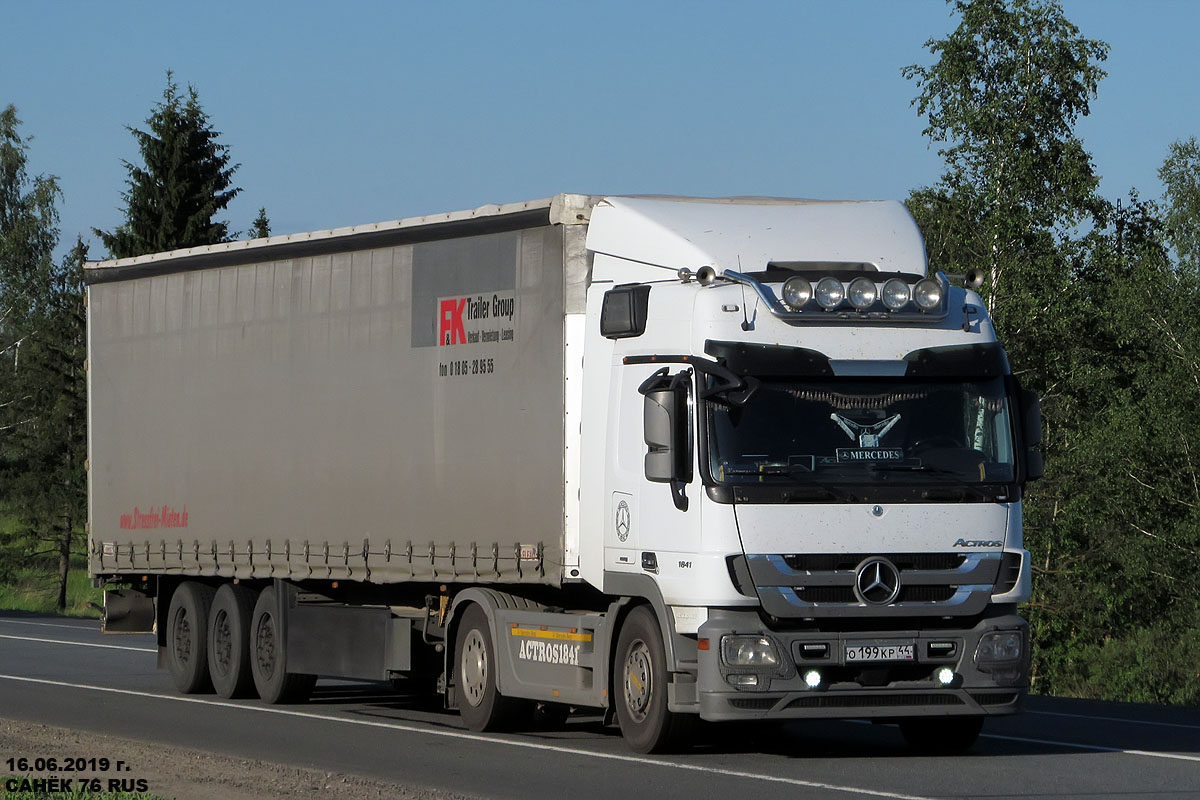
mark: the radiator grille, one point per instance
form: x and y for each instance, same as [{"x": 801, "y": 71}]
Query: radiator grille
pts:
[{"x": 845, "y": 562}]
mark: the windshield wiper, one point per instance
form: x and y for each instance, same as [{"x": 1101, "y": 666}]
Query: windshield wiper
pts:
[
  {"x": 785, "y": 469},
  {"x": 878, "y": 466},
  {"x": 960, "y": 486}
]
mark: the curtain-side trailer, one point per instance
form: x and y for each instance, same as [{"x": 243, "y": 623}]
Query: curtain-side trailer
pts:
[{"x": 735, "y": 458}]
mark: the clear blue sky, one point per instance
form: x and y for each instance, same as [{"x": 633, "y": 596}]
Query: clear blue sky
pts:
[{"x": 357, "y": 112}]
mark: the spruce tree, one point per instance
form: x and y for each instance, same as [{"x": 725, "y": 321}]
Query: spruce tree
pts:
[
  {"x": 43, "y": 406},
  {"x": 185, "y": 181},
  {"x": 261, "y": 227}
]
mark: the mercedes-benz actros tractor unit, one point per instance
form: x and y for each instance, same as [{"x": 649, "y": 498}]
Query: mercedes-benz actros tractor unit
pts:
[{"x": 668, "y": 458}]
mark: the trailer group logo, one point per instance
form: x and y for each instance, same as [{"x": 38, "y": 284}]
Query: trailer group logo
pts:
[
  {"x": 480, "y": 322},
  {"x": 488, "y": 317}
]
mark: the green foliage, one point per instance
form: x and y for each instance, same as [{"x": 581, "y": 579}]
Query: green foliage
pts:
[
  {"x": 1101, "y": 323},
  {"x": 187, "y": 179},
  {"x": 42, "y": 382},
  {"x": 1180, "y": 175},
  {"x": 1003, "y": 96},
  {"x": 261, "y": 227}
]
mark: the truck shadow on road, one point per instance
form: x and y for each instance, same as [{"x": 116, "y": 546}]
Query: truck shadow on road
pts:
[{"x": 825, "y": 739}]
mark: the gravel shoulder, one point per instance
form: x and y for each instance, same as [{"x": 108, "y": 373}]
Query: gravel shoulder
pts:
[{"x": 182, "y": 774}]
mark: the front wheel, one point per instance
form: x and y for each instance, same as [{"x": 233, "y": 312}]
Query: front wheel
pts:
[
  {"x": 641, "y": 687},
  {"x": 268, "y": 657},
  {"x": 941, "y": 735}
]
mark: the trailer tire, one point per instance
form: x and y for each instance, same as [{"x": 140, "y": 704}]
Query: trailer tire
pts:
[
  {"x": 187, "y": 637},
  {"x": 640, "y": 691},
  {"x": 229, "y": 641},
  {"x": 480, "y": 703},
  {"x": 268, "y": 657},
  {"x": 943, "y": 736}
]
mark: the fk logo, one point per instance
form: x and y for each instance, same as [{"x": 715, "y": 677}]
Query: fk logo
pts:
[{"x": 450, "y": 326}]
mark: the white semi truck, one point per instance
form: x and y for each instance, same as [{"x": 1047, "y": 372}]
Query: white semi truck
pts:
[{"x": 671, "y": 458}]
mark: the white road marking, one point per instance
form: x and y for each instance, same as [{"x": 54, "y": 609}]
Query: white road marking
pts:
[
  {"x": 52, "y": 624},
  {"x": 654, "y": 762},
  {"x": 1116, "y": 719},
  {"x": 1098, "y": 747},
  {"x": 80, "y": 644}
]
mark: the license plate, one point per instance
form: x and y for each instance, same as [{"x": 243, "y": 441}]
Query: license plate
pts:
[{"x": 885, "y": 651}]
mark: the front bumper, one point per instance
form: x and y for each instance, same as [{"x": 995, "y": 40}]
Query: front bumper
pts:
[{"x": 864, "y": 689}]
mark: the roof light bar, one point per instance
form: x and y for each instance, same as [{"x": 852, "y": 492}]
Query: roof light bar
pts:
[{"x": 831, "y": 300}]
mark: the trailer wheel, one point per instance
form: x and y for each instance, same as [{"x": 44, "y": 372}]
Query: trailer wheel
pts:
[
  {"x": 941, "y": 735},
  {"x": 187, "y": 637},
  {"x": 267, "y": 657},
  {"x": 640, "y": 693},
  {"x": 229, "y": 641},
  {"x": 480, "y": 703}
]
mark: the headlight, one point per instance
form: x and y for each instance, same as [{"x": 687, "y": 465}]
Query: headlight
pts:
[
  {"x": 830, "y": 293},
  {"x": 927, "y": 294},
  {"x": 895, "y": 294},
  {"x": 796, "y": 293},
  {"x": 998, "y": 648},
  {"x": 748, "y": 651},
  {"x": 862, "y": 293}
]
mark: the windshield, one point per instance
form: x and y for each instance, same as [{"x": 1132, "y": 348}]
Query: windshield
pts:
[{"x": 864, "y": 431}]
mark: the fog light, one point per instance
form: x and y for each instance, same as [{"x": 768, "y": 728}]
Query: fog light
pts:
[
  {"x": 796, "y": 293},
  {"x": 743, "y": 680},
  {"x": 830, "y": 293},
  {"x": 945, "y": 676},
  {"x": 862, "y": 293},
  {"x": 812, "y": 679},
  {"x": 895, "y": 294}
]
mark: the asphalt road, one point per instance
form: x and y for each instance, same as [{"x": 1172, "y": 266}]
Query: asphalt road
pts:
[{"x": 65, "y": 672}]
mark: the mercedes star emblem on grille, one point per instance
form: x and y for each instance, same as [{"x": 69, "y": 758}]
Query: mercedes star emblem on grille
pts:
[{"x": 877, "y": 581}]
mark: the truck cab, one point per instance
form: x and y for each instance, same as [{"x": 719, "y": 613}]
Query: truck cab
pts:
[{"x": 812, "y": 461}]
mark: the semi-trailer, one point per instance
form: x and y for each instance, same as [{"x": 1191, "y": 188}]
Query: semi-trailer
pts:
[{"x": 668, "y": 458}]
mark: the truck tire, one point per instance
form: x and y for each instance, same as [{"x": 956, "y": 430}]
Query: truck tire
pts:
[
  {"x": 480, "y": 703},
  {"x": 640, "y": 687},
  {"x": 267, "y": 657},
  {"x": 187, "y": 637},
  {"x": 941, "y": 735},
  {"x": 229, "y": 641}
]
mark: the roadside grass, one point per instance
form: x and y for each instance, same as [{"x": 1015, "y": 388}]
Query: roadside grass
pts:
[
  {"x": 36, "y": 589},
  {"x": 77, "y": 792}
]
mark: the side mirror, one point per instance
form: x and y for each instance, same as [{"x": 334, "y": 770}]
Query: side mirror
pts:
[
  {"x": 624, "y": 310},
  {"x": 658, "y": 418},
  {"x": 1035, "y": 465},
  {"x": 1031, "y": 417}
]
